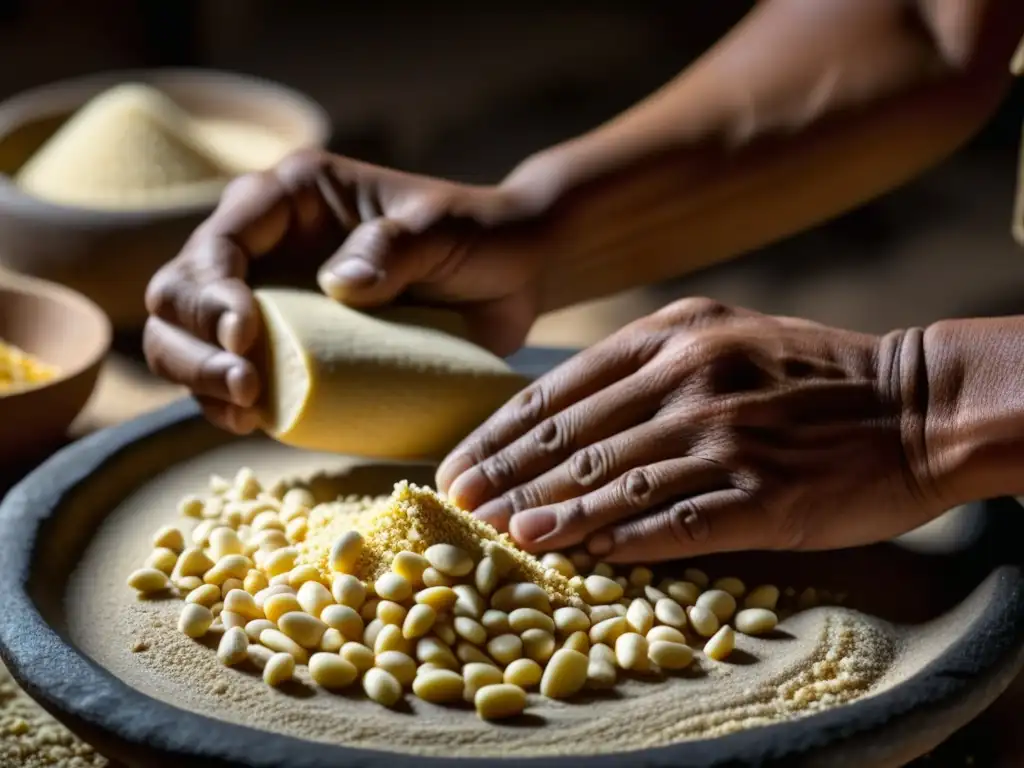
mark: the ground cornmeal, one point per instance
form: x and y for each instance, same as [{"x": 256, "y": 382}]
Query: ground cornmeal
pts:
[
  {"x": 20, "y": 370},
  {"x": 412, "y": 519}
]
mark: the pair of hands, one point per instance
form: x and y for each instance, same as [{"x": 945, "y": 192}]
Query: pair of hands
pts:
[{"x": 699, "y": 428}]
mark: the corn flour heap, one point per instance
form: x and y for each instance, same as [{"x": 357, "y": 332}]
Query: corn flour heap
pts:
[
  {"x": 423, "y": 607},
  {"x": 133, "y": 147}
]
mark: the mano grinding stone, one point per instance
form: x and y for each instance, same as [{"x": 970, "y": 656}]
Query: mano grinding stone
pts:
[{"x": 394, "y": 386}]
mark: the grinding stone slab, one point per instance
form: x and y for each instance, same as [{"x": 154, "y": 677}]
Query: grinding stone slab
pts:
[{"x": 965, "y": 577}]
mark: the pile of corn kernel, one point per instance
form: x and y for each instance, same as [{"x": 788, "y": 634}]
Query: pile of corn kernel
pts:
[
  {"x": 20, "y": 370},
  {"x": 409, "y": 592}
]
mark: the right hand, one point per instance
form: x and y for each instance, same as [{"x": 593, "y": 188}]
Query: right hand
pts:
[{"x": 374, "y": 234}]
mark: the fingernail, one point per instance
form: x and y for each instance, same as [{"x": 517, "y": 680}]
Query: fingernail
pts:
[
  {"x": 533, "y": 525},
  {"x": 229, "y": 333},
  {"x": 470, "y": 489},
  {"x": 451, "y": 468},
  {"x": 356, "y": 273},
  {"x": 496, "y": 513},
  {"x": 600, "y": 544}
]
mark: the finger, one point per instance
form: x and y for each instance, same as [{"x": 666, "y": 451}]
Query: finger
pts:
[
  {"x": 203, "y": 290},
  {"x": 592, "y": 466},
  {"x": 206, "y": 370},
  {"x": 229, "y": 417},
  {"x": 628, "y": 402},
  {"x": 633, "y": 493},
  {"x": 721, "y": 521},
  {"x": 581, "y": 376},
  {"x": 501, "y": 326}
]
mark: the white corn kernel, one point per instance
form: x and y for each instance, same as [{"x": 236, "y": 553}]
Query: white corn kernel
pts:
[
  {"x": 468, "y": 602},
  {"x": 640, "y": 616},
  {"x": 358, "y": 655},
  {"x": 684, "y": 592},
  {"x": 665, "y": 634},
  {"x": 732, "y": 585},
  {"x": 229, "y": 619},
  {"x": 195, "y": 620},
  {"x": 399, "y": 664},
  {"x": 304, "y": 629},
  {"x": 278, "y": 641},
  {"x": 390, "y": 639},
  {"x": 276, "y": 606},
  {"x": 719, "y": 602},
  {"x": 346, "y": 589},
  {"x": 255, "y": 627},
  {"x": 346, "y": 551},
  {"x": 434, "y": 578},
  {"x": 631, "y": 651},
  {"x": 162, "y": 559},
  {"x": 467, "y": 653},
  {"x": 258, "y": 656},
  {"x": 670, "y": 655},
  {"x": 241, "y": 602},
  {"x": 391, "y": 612},
  {"x": 521, "y": 595},
  {"x": 439, "y": 598},
  {"x": 486, "y": 576},
  {"x": 669, "y": 612},
  {"x": 314, "y": 597},
  {"x": 526, "y": 673},
  {"x": 410, "y": 566},
  {"x": 577, "y": 641},
  {"x": 703, "y": 621},
  {"x": 418, "y": 621},
  {"x": 430, "y": 650},
  {"x": 505, "y": 649},
  {"x": 330, "y": 671},
  {"x": 697, "y": 576},
  {"x": 565, "y": 674},
  {"x": 449, "y": 560},
  {"x": 522, "y": 619},
  {"x": 439, "y": 686},
  {"x": 608, "y": 631},
  {"x": 496, "y": 622},
  {"x": 470, "y": 629},
  {"x": 601, "y": 675},
  {"x": 755, "y": 621},
  {"x": 147, "y": 581},
  {"x": 332, "y": 641},
  {"x": 279, "y": 669},
  {"x": 170, "y": 538},
  {"x": 391, "y": 586},
  {"x": 497, "y": 702},
  {"x": 477, "y": 675},
  {"x": 560, "y": 563},
  {"x": 601, "y": 590},
  {"x": 721, "y": 644},
  {"x": 569, "y": 620},
  {"x": 233, "y": 647},
  {"x": 382, "y": 687},
  {"x": 764, "y": 596}
]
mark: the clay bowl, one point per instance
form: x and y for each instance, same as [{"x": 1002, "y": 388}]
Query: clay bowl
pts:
[
  {"x": 60, "y": 327},
  {"x": 72, "y": 531},
  {"x": 110, "y": 255}
]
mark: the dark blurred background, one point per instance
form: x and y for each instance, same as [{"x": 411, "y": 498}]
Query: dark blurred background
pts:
[{"x": 465, "y": 91}]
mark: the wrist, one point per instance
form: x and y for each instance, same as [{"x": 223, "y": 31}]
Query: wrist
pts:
[{"x": 973, "y": 402}]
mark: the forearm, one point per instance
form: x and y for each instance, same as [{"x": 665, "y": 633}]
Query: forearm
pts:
[
  {"x": 807, "y": 109},
  {"x": 972, "y": 395}
]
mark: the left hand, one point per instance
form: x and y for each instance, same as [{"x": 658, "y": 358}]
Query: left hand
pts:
[{"x": 706, "y": 428}]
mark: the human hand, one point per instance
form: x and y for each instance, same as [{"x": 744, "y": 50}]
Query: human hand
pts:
[
  {"x": 705, "y": 428},
  {"x": 372, "y": 235}
]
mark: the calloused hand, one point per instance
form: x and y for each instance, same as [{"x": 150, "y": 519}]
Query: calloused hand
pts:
[
  {"x": 707, "y": 428},
  {"x": 370, "y": 234}
]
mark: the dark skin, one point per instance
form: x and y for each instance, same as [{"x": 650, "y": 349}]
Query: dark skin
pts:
[{"x": 700, "y": 428}]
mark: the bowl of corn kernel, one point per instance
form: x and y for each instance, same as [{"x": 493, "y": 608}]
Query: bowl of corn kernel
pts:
[{"x": 52, "y": 342}]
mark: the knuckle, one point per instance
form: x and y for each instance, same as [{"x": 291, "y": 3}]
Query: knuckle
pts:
[
  {"x": 160, "y": 292},
  {"x": 696, "y": 309},
  {"x": 688, "y": 523},
  {"x": 589, "y": 466},
  {"x": 521, "y": 498},
  {"x": 553, "y": 435},
  {"x": 636, "y": 488},
  {"x": 530, "y": 405},
  {"x": 499, "y": 471},
  {"x": 572, "y": 513}
]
